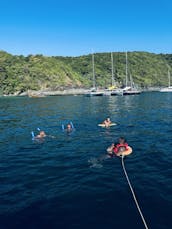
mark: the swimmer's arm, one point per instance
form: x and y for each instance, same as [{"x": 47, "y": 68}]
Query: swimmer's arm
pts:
[{"x": 112, "y": 146}]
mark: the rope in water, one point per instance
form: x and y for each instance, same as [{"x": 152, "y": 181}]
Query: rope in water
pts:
[{"x": 136, "y": 202}]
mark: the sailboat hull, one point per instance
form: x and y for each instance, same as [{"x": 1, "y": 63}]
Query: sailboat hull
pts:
[
  {"x": 94, "y": 94},
  {"x": 117, "y": 92},
  {"x": 132, "y": 92},
  {"x": 167, "y": 89}
]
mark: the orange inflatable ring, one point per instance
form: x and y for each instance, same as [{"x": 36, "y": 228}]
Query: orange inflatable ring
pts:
[{"x": 128, "y": 151}]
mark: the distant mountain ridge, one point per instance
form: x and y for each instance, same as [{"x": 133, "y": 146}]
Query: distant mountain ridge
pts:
[{"x": 37, "y": 72}]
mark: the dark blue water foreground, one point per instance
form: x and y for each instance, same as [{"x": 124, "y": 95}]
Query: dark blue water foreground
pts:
[{"x": 58, "y": 183}]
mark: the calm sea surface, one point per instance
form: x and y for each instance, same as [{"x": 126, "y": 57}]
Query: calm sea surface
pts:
[{"x": 64, "y": 182}]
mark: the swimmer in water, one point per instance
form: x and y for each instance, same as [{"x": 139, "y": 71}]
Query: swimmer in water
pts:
[
  {"x": 107, "y": 122},
  {"x": 119, "y": 148},
  {"x": 41, "y": 134},
  {"x": 69, "y": 128}
]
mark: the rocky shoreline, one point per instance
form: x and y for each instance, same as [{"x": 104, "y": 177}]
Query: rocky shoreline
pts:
[
  {"x": 71, "y": 91},
  {"x": 44, "y": 93}
]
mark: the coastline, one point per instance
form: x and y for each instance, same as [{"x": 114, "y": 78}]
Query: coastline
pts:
[
  {"x": 70, "y": 91},
  {"x": 44, "y": 93}
]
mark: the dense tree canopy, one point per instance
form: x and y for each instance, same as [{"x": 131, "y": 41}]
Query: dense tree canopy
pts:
[{"x": 36, "y": 72}]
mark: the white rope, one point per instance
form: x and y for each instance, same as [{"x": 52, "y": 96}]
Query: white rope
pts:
[{"x": 133, "y": 193}]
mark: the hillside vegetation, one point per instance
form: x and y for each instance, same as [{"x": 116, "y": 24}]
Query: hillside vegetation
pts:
[{"x": 37, "y": 72}]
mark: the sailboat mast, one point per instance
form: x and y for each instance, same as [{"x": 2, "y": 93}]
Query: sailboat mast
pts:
[
  {"x": 126, "y": 70},
  {"x": 94, "y": 84},
  {"x": 113, "y": 81},
  {"x": 169, "y": 83}
]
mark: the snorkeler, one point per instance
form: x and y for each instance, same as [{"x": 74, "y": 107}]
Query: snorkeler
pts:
[
  {"x": 41, "y": 134},
  {"x": 121, "y": 148},
  {"x": 69, "y": 127}
]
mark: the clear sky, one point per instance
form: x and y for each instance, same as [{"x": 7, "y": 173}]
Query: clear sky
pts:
[{"x": 78, "y": 27}]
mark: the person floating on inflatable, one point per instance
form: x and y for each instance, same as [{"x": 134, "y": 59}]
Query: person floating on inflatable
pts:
[
  {"x": 107, "y": 122},
  {"x": 120, "y": 149}
]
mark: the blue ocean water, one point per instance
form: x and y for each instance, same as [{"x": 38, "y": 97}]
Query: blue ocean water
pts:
[{"x": 64, "y": 182}]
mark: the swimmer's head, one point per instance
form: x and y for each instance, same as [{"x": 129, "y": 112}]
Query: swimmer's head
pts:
[
  {"x": 69, "y": 126},
  {"x": 42, "y": 133},
  {"x": 122, "y": 140}
]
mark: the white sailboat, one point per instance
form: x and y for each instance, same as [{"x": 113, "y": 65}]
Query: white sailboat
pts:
[
  {"x": 113, "y": 90},
  {"x": 129, "y": 89},
  {"x": 169, "y": 88},
  {"x": 93, "y": 91}
]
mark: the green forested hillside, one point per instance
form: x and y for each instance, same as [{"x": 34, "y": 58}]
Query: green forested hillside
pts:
[{"x": 35, "y": 72}]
